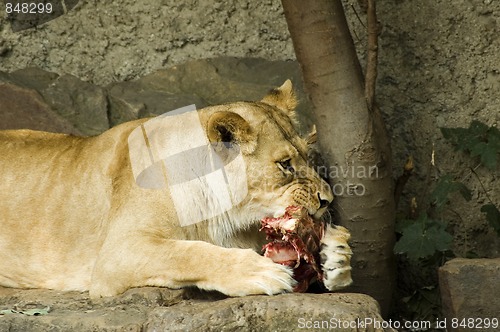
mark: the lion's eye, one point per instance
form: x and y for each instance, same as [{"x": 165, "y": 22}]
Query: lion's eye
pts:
[{"x": 286, "y": 166}]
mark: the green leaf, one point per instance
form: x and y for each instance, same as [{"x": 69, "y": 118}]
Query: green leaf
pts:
[
  {"x": 479, "y": 140},
  {"x": 493, "y": 216},
  {"x": 445, "y": 186},
  {"x": 423, "y": 238},
  {"x": 494, "y": 137},
  {"x": 463, "y": 190},
  {"x": 465, "y": 138},
  {"x": 36, "y": 311},
  {"x": 440, "y": 237},
  {"x": 487, "y": 154},
  {"x": 7, "y": 312},
  {"x": 27, "y": 312},
  {"x": 402, "y": 224}
]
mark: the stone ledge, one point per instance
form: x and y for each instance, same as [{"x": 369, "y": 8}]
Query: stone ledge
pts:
[{"x": 161, "y": 309}]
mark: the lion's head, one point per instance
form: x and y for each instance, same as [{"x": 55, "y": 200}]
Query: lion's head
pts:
[{"x": 277, "y": 169}]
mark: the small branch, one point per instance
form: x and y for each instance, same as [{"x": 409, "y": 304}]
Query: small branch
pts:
[
  {"x": 401, "y": 181},
  {"x": 471, "y": 170},
  {"x": 357, "y": 15},
  {"x": 413, "y": 208},
  {"x": 372, "y": 54},
  {"x": 431, "y": 166}
]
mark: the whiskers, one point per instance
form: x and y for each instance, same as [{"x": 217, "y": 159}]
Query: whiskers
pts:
[
  {"x": 332, "y": 214},
  {"x": 327, "y": 217}
]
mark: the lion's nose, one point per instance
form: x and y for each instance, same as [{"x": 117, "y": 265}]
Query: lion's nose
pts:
[{"x": 323, "y": 203}]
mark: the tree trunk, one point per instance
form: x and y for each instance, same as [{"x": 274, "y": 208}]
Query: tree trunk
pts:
[{"x": 352, "y": 138}]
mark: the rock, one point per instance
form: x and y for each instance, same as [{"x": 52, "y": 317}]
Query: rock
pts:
[
  {"x": 287, "y": 312},
  {"x": 34, "y": 78},
  {"x": 81, "y": 103},
  {"x": 470, "y": 289},
  {"x": 203, "y": 83},
  {"x": 140, "y": 99},
  {"x": 161, "y": 309},
  {"x": 92, "y": 109},
  {"x": 123, "y": 110},
  {"x": 24, "y": 108},
  {"x": 74, "y": 311}
]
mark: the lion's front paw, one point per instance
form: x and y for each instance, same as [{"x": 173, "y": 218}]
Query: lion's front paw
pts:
[
  {"x": 250, "y": 273},
  {"x": 336, "y": 258}
]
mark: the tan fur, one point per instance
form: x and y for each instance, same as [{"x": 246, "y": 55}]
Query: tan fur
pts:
[
  {"x": 73, "y": 218},
  {"x": 283, "y": 98}
]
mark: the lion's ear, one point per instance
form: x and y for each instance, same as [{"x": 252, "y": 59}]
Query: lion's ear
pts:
[
  {"x": 283, "y": 98},
  {"x": 312, "y": 137},
  {"x": 230, "y": 128}
]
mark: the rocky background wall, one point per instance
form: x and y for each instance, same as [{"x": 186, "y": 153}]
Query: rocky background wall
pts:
[{"x": 439, "y": 66}]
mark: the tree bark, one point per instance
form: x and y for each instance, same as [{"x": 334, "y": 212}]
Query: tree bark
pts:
[{"x": 352, "y": 138}]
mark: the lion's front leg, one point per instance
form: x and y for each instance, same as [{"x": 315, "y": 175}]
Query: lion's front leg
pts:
[
  {"x": 176, "y": 264},
  {"x": 336, "y": 258}
]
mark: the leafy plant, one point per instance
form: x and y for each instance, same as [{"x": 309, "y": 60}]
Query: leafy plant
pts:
[
  {"x": 425, "y": 236},
  {"x": 479, "y": 140},
  {"x": 421, "y": 238},
  {"x": 424, "y": 242},
  {"x": 423, "y": 303},
  {"x": 444, "y": 187},
  {"x": 493, "y": 216}
]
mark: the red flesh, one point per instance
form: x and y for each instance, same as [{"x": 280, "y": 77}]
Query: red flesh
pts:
[{"x": 295, "y": 244}]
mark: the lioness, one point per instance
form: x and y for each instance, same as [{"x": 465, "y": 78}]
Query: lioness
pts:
[{"x": 72, "y": 216}]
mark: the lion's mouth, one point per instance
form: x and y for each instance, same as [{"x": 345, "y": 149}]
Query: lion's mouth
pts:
[{"x": 294, "y": 240}]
